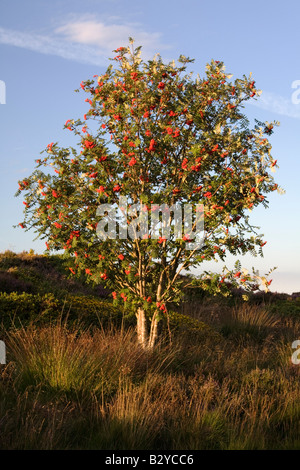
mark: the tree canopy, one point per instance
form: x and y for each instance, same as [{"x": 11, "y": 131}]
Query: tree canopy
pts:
[{"x": 153, "y": 135}]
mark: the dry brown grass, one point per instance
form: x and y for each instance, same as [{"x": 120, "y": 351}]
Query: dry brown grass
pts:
[{"x": 90, "y": 389}]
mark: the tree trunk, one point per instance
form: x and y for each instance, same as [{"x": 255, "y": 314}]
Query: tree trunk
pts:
[
  {"x": 153, "y": 332},
  {"x": 142, "y": 328}
]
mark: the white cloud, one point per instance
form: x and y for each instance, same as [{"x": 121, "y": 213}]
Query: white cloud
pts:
[
  {"x": 86, "y": 40},
  {"x": 107, "y": 37},
  {"x": 277, "y": 104}
]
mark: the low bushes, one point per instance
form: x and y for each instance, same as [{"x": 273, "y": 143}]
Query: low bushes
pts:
[{"x": 22, "y": 309}]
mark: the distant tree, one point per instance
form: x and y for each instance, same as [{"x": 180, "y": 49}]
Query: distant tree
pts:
[{"x": 153, "y": 135}]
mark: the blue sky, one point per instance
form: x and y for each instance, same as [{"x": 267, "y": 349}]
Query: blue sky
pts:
[{"x": 48, "y": 48}]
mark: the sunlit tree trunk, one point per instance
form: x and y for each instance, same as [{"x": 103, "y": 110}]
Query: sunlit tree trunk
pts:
[
  {"x": 153, "y": 331},
  {"x": 142, "y": 328}
]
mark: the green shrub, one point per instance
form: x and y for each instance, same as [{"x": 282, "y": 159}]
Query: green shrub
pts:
[
  {"x": 180, "y": 324},
  {"x": 91, "y": 311},
  {"x": 286, "y": 308},
  {"x": 22, "y": 309}
]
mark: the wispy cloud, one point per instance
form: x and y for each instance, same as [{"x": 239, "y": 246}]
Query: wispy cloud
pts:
[
  {"x": 53, "y": 46},
  {"x": 277, "y": 104},
  {"x": 86, "y": 40},
  {"x": 91, "y": 41}
]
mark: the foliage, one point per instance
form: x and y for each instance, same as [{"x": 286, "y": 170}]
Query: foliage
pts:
[{"x": 226, "y": 283}]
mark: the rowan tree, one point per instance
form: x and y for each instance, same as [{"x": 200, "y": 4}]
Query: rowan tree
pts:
[{"x": 154, "y": 135}]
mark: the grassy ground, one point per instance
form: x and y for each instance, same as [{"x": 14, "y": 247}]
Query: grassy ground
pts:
[{"x": 229, "y": 384}]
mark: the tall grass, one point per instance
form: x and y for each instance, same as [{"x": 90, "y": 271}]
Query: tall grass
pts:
[{"x": 76, "y": 388}]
